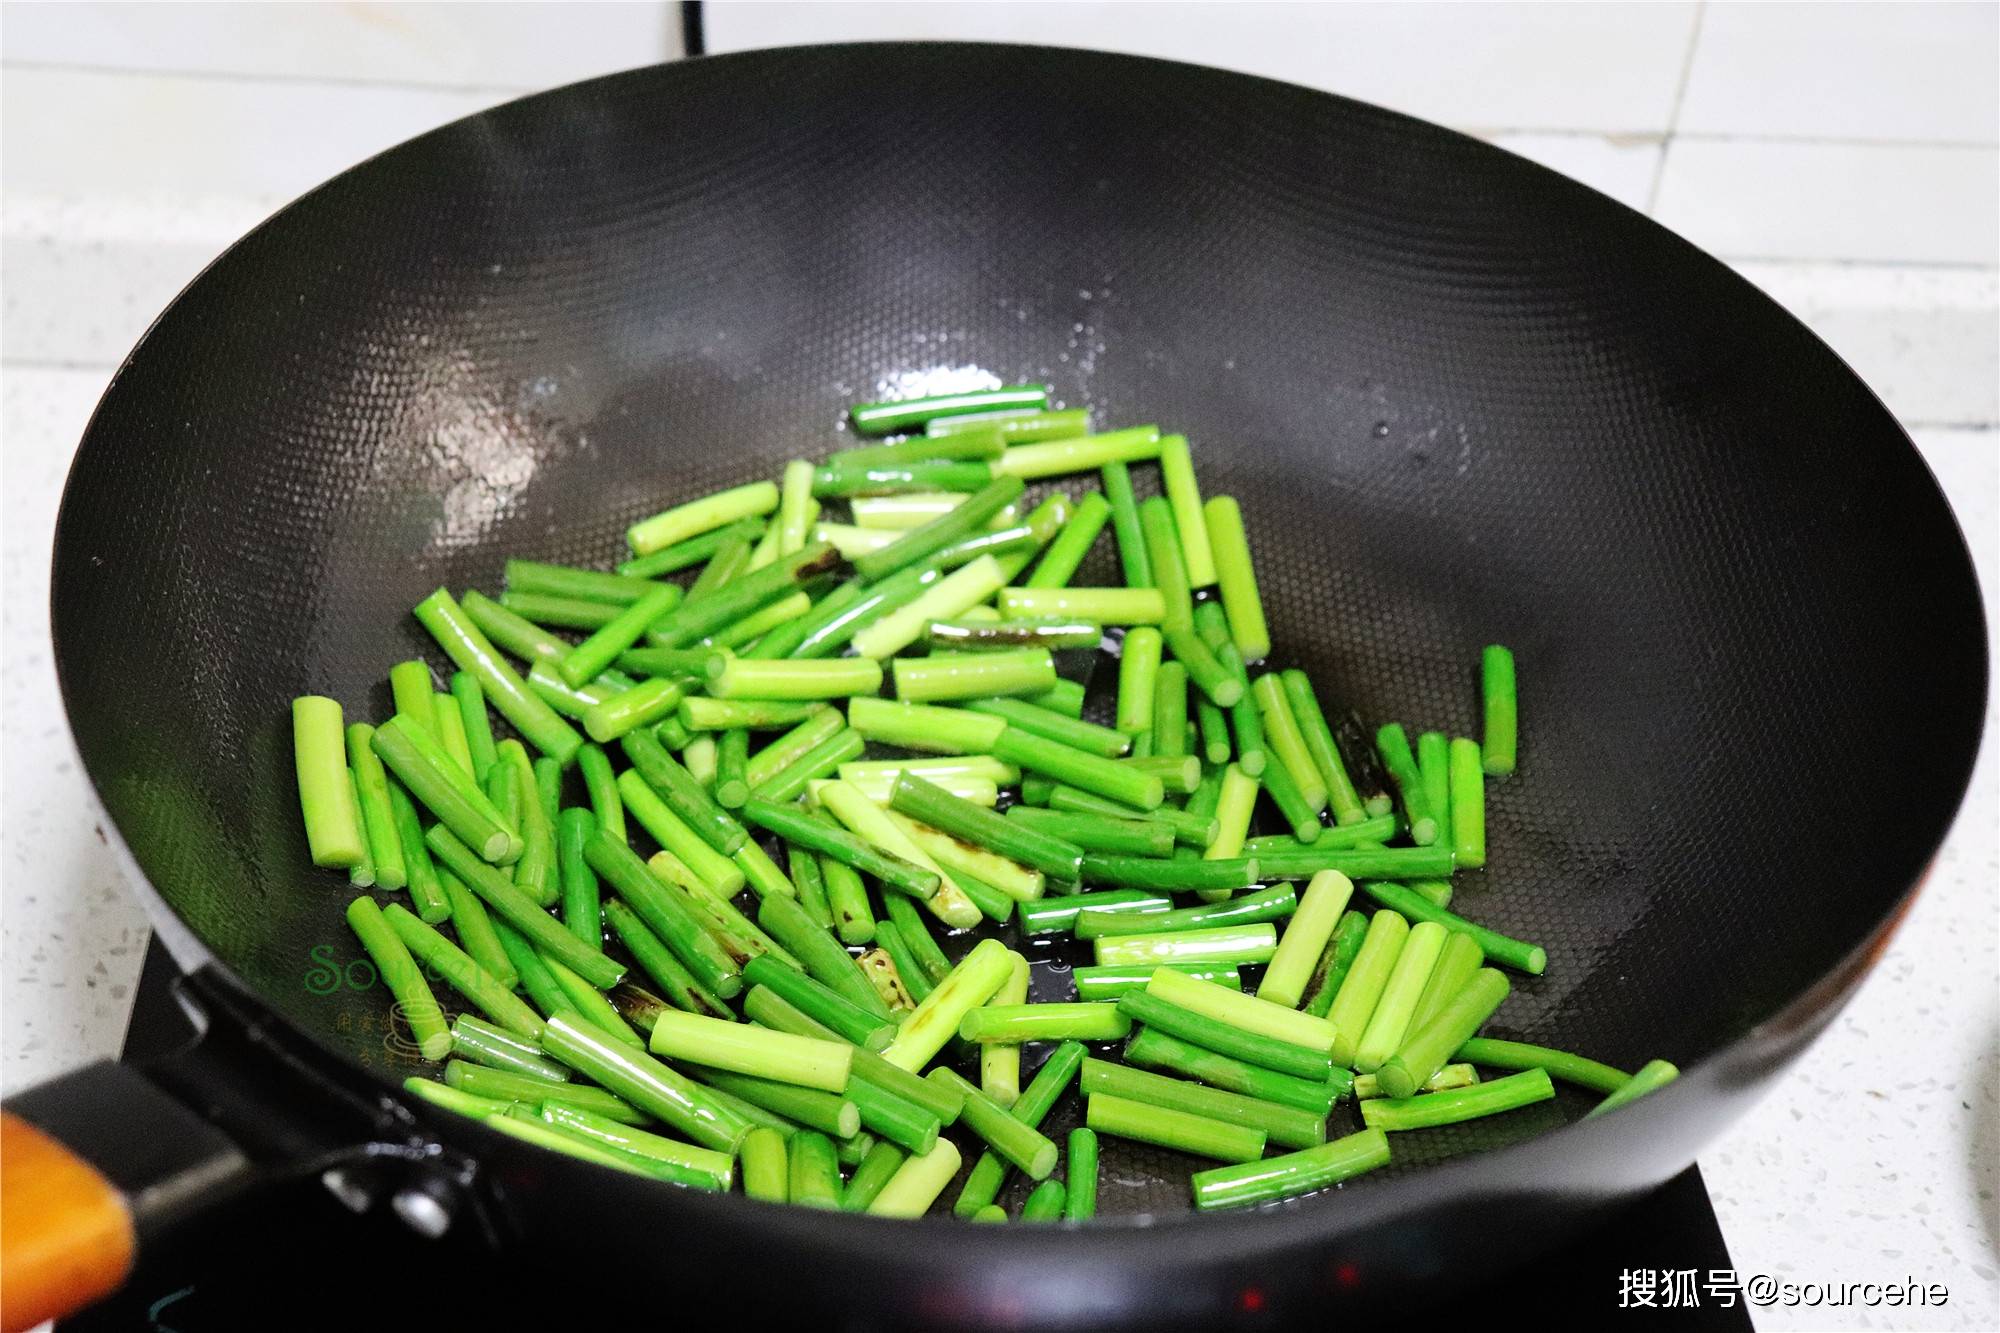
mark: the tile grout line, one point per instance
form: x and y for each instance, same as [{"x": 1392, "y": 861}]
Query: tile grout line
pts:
[
  {"x": 1844, "y": 262},
  {"x": 1725, "y": 137},
  {"x": 30, "y": 363},
  {"x": 1834, "y": 141},
  {"x": 1674, "y": 113},
  {"x": 240, "y": 76},
  {"x": 1477, "y": 131}
]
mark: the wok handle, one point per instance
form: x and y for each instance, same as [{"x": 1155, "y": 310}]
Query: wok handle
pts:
[
  {"x": 66, "y": 1233},
  {"x": 95, "y": 1166}
]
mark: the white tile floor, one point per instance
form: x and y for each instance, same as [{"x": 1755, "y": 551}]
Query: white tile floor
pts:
[
  {"x": 511, "y": 48},
  {"x": 1842, "y": 156},
  {"x": 1597, "y": 67},
  {"x": 1874, "y": 203},
  {"x": 1871, "y": 73}
]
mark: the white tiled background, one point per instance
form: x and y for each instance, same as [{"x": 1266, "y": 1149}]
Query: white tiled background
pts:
[{"x": 1845, "y": 157}]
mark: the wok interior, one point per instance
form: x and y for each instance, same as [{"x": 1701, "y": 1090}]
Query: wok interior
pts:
[{"x": 1461, "y": 400}]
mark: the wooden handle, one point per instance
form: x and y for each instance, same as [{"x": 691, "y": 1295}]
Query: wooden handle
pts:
[{"x": 65, "y": 1234}]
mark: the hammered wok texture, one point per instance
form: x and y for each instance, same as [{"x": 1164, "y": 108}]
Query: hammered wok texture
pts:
[{"x": 1461, "y": 399}]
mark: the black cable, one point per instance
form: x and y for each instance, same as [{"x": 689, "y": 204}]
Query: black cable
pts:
[{"x": 694, "y": 40}]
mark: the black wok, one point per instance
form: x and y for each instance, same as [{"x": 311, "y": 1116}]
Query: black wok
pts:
[{"x": 1462, "y": 399}]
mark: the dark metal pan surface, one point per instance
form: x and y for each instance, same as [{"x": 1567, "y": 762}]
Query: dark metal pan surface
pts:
[{"x": 1462, "y": 399}]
